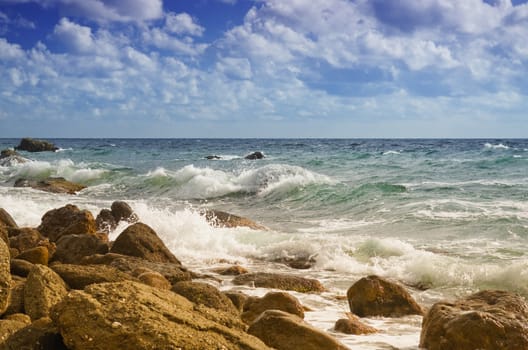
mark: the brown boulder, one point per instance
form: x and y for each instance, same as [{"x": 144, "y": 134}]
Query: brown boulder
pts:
[
  {"x": 205, "y": 294},
  {"x": 254, "y": 307},
  {"x": 105, "y": 221},
  {"x": 37, "y": 255},
  {"x": 24, "y": 238},
  {"x": 51, "y": 184},
  {"x": 20, "y": 267},
  {"x": 353, "y": 325},
  {"x": 4, "y": 235},
  {"x": 122, "y": 211},
  {"x": 43, "y": 289},
  {"x": 33, "y": 145},
  {"x": 376, "y": 296},
  {"x": 234, "y": 270},
  {"x": 67, "y": 220},
  {"x": 5, "y": 277},
  {"x": 6, "y": 219},
  {"x": 72, "y": 248},
  {"x": 7, "y": 328},
  {"x": 284, "y": 331},
  {"x": 154, "y": 279},
  {"x": 42, "y": 334},
  {"x": 141, "y": 241},
  {"x": 223, "y": 219},
  {"x": 80, "y": 276},
  {"x": 133, "y": 316},
  {"x": 238, "y": 299},
  {"x": 488, "y": 320},
  {"x": 15, "y": 304},
  {"x": 280, "y": 281}
]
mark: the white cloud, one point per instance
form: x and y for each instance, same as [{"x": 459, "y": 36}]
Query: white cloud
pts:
[
  {"x": 163, "y": 40},
  {"x": 237, "y": 68},
  {"x": 10, "y": 51},
  {"x": 182, "y": 23},
  {"x": 77, "y": 38}
]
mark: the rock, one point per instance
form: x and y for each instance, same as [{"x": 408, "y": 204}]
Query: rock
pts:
[
  {"x": 4, "y": 235},
  {"x": 6, "y": 219},
  {"x": 298, "y": 262},
  {"x": 133, "y": 316},
  {"x": 488, "y": 320},
  {"x": 44, "y": 288},
  {"x": 352, "y": 325},
  {"x": 141, "y": 241},
  {"x": 154, "y": 279},
  {"x": 20, "y": 267},
  {"x": 15, "y": 304},
  {"x": 33, "y": 145},
  {"x": 272, "y": 301},
  {"x": 51, "y": 184},
  {"x": 238, "y": 299},
  {"x": 37, "y": 255},
  {"x": 255, "y": 155},
  {"x": 376, "y": 296},
  {"x": 105, "y": 221},
  {"x": 7, "y": 328},
  {"x": 24, "y": 238},
  {"x": 223, "y": 219},
  {"x": 42, "y": 334},
  {"x": 234, "y": 270},
  {"x": 5, "y": 277},
  {"x": 172, "y": 272},
  {"x": 280, "y": 281},
  {"x": 9, "y": 157},
  {"x": 67, "y": 220},
  {"x": 122, "y": 211},
  {"x": 205, "y": 294},
  {"x": 80, "y": 276},
  {"x": 284, "y": 331},
  {"x": 20, "y": 317},
  {"x": 72, "y": 248},
  {"x": 213, "y": 157}
]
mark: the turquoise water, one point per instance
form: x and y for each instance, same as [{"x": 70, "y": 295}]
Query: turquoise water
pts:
[{"x": 449, "y": 216}]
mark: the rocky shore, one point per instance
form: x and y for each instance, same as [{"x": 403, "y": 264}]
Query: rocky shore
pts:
[{"x": 64, "y": 285}]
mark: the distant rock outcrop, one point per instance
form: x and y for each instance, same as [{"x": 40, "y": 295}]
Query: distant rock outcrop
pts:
[
  {"x": 255, "y": 155},
  {"x": 34, "y": 145},
  {"x": 51, "y": 184}
]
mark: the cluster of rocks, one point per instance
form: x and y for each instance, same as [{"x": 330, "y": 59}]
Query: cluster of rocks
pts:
[
  {"x": 251, "y": 156},
  {"x": 64, "y": 285}
]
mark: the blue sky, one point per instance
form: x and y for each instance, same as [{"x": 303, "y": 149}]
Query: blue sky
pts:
[{"x": 263, "y": 68}]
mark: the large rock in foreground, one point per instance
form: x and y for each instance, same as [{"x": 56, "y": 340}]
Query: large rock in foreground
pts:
[
  {"x": 43, "y": 289},
  {"x": 488, "y": 320},
  {"x": 5, "y": 276},
  {"x": 254, "y": 307},
  {"x": 133, "y": 316},
  {"x": 223, "y": 219},
  {"x": 205, "y": 294},
  {"x": 34, "y": 145},
  {"x": 67, "y": 220},
  {"x": 284, "y": 331},
  {"x": 376, "y": 296},
  {"x": 51, "y": 184},
  {"x": 280, "y": 281}
]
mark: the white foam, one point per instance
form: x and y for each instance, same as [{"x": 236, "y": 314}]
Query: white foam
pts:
[
  {"x": 497, "y": 146},
  {"x": 64, "y": 168},
  {"x": 391, "y": 152}
]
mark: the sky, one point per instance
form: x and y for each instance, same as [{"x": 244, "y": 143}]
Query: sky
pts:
[{"x": 264, "y": 68}]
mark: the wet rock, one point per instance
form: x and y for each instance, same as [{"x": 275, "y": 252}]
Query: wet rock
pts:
[
  {"x": 353, "y": 325},
  {"x": 37, "y": 255},
  {"x": 80, "y": 276},
  {"x": 238, "y": 299},
  {"x": 9, "y": 157},
  {"x": 72, "y": 248},
  {"x": 279, "y": 281},
  {"x": 488, "y": 320},
  {"x": 255, "y": 155},
  {"x": 298, "y": 262},
  {"x": 205, "y": 294},
  {"x": 105, "y": 221},
  {"x": 284, "y": 331},
  {"x": 141, "y": 241},
  {"x": 34, "y": 145},
  {"x": 234, "y": 270},
  {"x": 43, "y": 289},
  {"x": 5, "y": 277},
  {"x": 122, "y": 211},
  {"x": 272, "y": 301},
  {"x": 42, "y": 334},
  {"x": 20, "y": 267},
  {"x": 6, "y": 219},
  {"x": 15, "y": 304},
  {"x": 134, "y": 316},
  {"x": 67, "y": 220},
  {"x": 213, "y": 157},
  {"x": 223, "y": 219},
  {"x": 376, "y": 296},
  {"x": 51, "y": 184}
]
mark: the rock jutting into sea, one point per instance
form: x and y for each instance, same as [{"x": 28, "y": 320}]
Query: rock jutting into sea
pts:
[
  {"x": 51, "y": 184},
  {"x": 34, "y": 145}
]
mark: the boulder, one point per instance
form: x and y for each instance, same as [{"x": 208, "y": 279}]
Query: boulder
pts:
[
  {"x": 42, "y": 334},
  {"x": 154, "y": 279},
  {"x": 213, "y": 157},
  {"x": 72, "y": 248},
  {"x": 238, "y": 299},
  {"x": 255, "y": 155},
  {"x": 234, "y": 270},
  {"x": 4, "y": 234},
  {"x": 205, "y": 294},
  {"x": 353, "y": 325},
  {"x": 105, "y": 221},
  {"x": 43, "y": 289},
  {"x": 34, "y": 145},
  {"x": 5, "y": 277},
  {"x": 133, "y": 316},
  {"x": 67, "y": 220},
  {"x": 122, "y": 211},
  {"x": 80, "y": 276},
  {"x": 271, "y": 301},
  {"x": 37, "y": 255},
  {"x": 279, "y": 281},
  {"x": 284, "y": 331},
  {"x": 301, "y": 262},
  {"x": 488, "y": 320},
  {"x": 20, "y": 267},
  {"x": 15, "y": 304},
  {"x": 24, "y": 238},
  {"x": 51, "y": 184},
  {"x": 141, "y": 241},
  {"x": 7, "y": 328},
  {"x": 6, "y": 219},
  {"x": 223, "y": 219},
  {"x": 376, "y": 296}
]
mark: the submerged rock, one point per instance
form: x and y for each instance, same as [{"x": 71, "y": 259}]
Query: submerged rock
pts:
[
  {"x": 353, "y": 325},
  {"x": 284, "y": 331},
  {"x": 234, "y": 270},
  {"x": 34, "y": 145},
  {"x": 488, "y": 320},
  {"x": 51, "y": 184},
  {"x": 213, "y": 157},
  {"x": 376, "y": 296},
  {"x": 255, "y": 155},
  {"x": 254, "y": 307},
  {"x": 67, "y": 220},
  {"x": 223, "y": 219},
  {"x": 280, "y": 281}
]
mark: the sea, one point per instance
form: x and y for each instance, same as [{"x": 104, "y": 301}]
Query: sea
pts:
[{"x": 444, "y": 217}]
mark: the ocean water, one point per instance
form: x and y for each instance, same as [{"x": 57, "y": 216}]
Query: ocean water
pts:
[{"x": 444, "y": 217}]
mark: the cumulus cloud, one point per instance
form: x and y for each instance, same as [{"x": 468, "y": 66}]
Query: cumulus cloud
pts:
[{"x": 182, "y": 23}]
